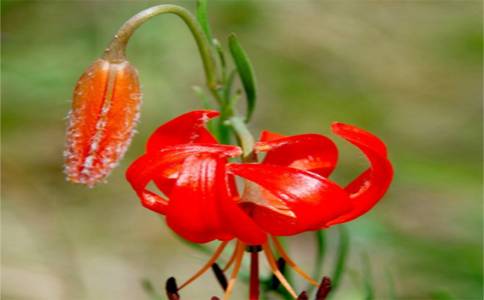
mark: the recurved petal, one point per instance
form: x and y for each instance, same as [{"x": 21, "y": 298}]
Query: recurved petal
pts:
[
  {"x": 105, "y": 109},
  {"x": 289, "y": 201},
  {"x": 164, "y": 166},
  {"x": 310, "y": 152},
  {"x": 187, "y": 128},
  {"x": 200, "y": 208},
  {"x": 267, "y": 136},
  {"x": 366, "y": 190}
]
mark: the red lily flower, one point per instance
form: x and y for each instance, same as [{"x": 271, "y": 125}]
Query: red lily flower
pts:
[
  {"x": 286, "y": 194},
  {"x": 186, "y": 163},
  {"x": 291, "y": 193}
]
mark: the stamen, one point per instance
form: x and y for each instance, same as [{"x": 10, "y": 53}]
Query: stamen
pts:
[
  {"x": 232, "y": 258},
  {"x": 219, "y": 274},
  {"x": 303, "y": 296},
  {"x": 254, "y": 276},
  {"x": 207, "y": 265},
  {"x": 275, "y": 270},
  {"x": 281, "y": 266},
  {"x": 324, "y": 288},
  {"x": 171, "y": 289},
  {"x": 291, "y": 263},
  {"x": 238, "y": 262}
]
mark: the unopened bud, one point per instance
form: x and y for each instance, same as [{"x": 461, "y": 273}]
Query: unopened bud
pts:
[{"x": 105, "y": 108}]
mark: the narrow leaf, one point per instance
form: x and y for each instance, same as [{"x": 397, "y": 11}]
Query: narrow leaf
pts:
[
  {"x": 204, "y": 97},
  {"x": 228, "y": 85},
  {"x": 368, "y": 277},
  {"x": 221, "y": 57},
  {"x": 202, "y": 17},
  {"x": 392, "y": 293},
  {"x": 211, "y": 126},
  {"x": 320, "y": 236},
  {"x": 246, "y": 73},
  {"x": 343, "y": 249}
]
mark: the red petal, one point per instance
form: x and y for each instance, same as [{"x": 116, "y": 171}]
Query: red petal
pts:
[
  {"x": 166, "y": 164},
  {"x": 366, "y": 190},
  {"x": 187, "y": 128},
  {"x": 200, "y": 209},
  {"x": 310, "y": 152},
  {"x": 268, "y": 136},
  {"x": 293, "y": 201}
]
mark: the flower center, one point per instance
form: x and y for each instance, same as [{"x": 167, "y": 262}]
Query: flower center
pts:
[{"x": 235, "y": 260}]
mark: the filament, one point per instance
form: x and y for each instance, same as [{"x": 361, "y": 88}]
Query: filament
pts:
[
  {"x": 291, "y": 263},
  {"x": 275, "y": 270},
  {"x": 239, "y": 250},
  {"x": 207, "y": 265},
  {"x": 232, "y": 258}
]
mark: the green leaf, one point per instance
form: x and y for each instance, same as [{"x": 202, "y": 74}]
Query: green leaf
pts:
[
  {"x": 392, "y": 293},
  {"x": 221, "y": 57},
  {"x": 228, "y": 85},
  {"x": 202, "y": 17},
  {"x": 342, "y": 254},
  {"x": 246, "y": 73},
  {"x": 368, "y": 277},
  {"x": 203, "y": 96},
  {"x": 320, "y": 236},
  {"x": 206, "y": 105}
]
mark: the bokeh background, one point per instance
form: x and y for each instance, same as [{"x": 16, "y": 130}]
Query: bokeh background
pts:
[{"x": 408, "y": 71}]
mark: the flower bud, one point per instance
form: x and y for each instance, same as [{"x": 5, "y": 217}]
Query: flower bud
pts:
[{"x": 105, "y": 108}]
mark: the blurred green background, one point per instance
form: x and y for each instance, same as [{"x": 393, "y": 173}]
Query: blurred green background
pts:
[{"x": 408, "y": 71}]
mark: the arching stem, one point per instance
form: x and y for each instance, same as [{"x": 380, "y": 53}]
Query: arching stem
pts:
[{"x": 116, "y": 51}]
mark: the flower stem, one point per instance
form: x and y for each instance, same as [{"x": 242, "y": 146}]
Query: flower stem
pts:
[{"x": 116, "y": 51}]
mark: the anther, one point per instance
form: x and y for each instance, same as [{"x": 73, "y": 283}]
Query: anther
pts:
[
  {"x": 172, "y": 289},
  {"x": 219, "y": 274},
  {"x": 281, "y": 265},
  {"x": 303, "y": 296},
  {"x": 324, "y": 288}
]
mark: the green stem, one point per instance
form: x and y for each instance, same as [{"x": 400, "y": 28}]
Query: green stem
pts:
[{"x": 116, "y": 51}]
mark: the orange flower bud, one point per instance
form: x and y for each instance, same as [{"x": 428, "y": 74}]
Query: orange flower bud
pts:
[{"x": 104, "y": 112}]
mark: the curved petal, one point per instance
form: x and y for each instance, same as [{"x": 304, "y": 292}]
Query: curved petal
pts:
[
  {"x": 288, "y": 201},
  {"x": 267, "y": 136},
  {"x": 187, "y": 128},
  {"x": 200, "y": 209},
  {"x": 366, "y": 190},
  {"x": 310, "y": 152},
  {"x": 166, "y": 164}
]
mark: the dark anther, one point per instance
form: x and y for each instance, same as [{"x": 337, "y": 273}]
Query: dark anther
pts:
[
  {"x": 281, "y": 265},
  {"x": 251, "y": 248},
  {"x": 220, "y": 275},
  {"x": 324, "y": 288},
  {"x": 172, "y": 289},
  {"x": 214, "y": 298},
  {"x": 303, "y": 296}
]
